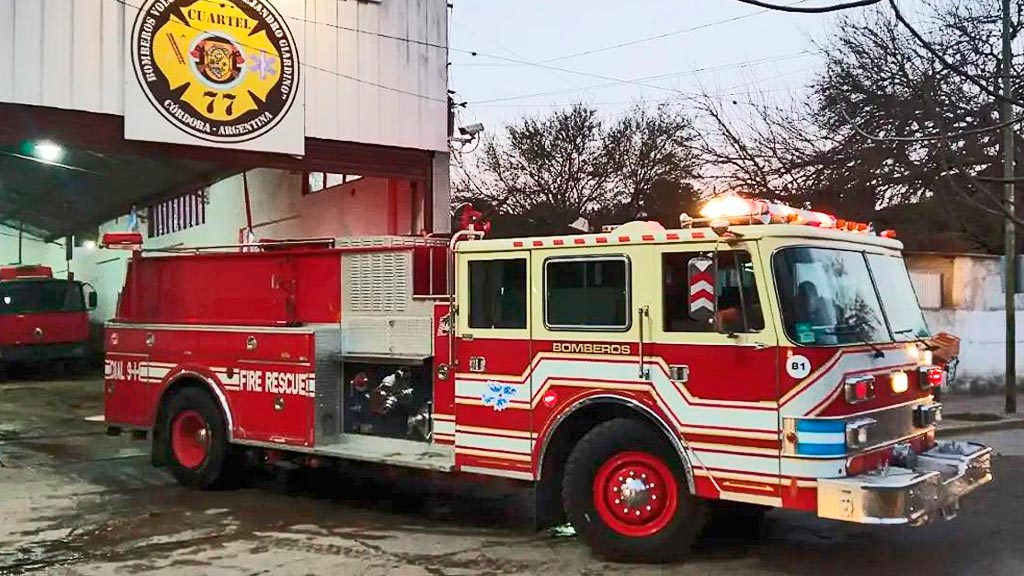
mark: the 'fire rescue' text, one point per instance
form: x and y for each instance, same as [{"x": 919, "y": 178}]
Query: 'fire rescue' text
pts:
[{"x": 276, "y": 382}]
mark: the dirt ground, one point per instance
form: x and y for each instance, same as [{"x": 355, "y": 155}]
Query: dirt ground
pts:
[{"x": 75, "y": 501}]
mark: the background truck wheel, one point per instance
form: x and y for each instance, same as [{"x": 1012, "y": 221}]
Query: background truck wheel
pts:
[
  {"x": 625, "y": 493},
  {"x": 195, "y": 441}
]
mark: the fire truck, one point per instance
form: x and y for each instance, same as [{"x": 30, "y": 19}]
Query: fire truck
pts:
[
  {"x": 42, "y": 318},
  {"x": 760, "y": 356}
]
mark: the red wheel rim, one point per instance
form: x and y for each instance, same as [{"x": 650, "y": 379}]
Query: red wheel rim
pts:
[
  {"x": 636, "y": 494},
  {"x": 190, "y": 439}
]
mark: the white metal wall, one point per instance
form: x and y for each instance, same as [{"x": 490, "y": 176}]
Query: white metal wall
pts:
[
  {"x": 33, "y": 250},
  {"x": 360, "y": 85}
]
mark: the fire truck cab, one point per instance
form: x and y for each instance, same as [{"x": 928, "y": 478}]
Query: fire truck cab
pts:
[
  {"x": 762, "y": 355},
  {"x": 42, "y": 318}
]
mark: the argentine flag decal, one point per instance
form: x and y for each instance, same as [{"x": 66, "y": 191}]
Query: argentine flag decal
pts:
[{"x": 821, "y": 437}]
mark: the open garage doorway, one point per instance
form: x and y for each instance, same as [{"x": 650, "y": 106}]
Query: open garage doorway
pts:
[{"x": 55, "y": 202}]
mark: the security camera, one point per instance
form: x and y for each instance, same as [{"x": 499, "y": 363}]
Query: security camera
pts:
[{"x": 472, "y": 129}]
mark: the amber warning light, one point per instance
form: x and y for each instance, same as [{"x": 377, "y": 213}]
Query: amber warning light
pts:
[
  {"x": 736, "y": 209},
  {"x": 122, "y": 241}
]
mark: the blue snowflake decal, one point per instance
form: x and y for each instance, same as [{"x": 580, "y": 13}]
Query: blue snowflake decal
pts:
[{"x": 498, "y": 396}]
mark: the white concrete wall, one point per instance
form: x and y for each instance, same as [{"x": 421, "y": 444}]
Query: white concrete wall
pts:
[
  {"x": 975, "y": 313},
  {"x": 279, "y": 211},
  {"x": 982, "y": 347},
  {"x": 360, "y": 86},
  {"x": 33, "y": 251}
]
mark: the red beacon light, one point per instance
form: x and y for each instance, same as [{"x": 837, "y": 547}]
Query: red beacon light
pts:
[{"x": 122, "y": 241}]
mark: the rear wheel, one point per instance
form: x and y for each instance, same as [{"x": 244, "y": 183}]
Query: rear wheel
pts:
[
  {"x": 195, "y": 440},
  {"x": 625, "y": 493}
]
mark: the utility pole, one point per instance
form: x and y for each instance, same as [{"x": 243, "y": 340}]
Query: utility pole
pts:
[{"x": 1006, "y": 113}]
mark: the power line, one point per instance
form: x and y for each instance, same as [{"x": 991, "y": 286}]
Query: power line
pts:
[
  {"x": 641, "y": 81},
  {"x": 658, "y": 36},
  {"x": 931, "y": 137},
  {"x": 404, "y": 39},
  {"x": 509, "y": 50},
  {"x": 718, "y": 96},
  {"x": 811, "y": 10},
  {"x": 312, "y": 67},
  {"x": 473, "y": 53}
]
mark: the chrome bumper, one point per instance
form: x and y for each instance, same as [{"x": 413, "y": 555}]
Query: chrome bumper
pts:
[{"x": 931, "y": 485}]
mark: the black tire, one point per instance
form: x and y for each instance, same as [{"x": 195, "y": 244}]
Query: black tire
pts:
[
  {"x": 218, "y": 467},
  {"x": 590, "y": 472}
]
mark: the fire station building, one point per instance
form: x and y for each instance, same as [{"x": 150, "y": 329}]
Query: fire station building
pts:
[{"x": 217, "y": 123}]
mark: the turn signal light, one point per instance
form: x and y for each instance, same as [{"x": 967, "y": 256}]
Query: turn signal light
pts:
[
  {"x": 860, "y": 389},
  {"x": 931, "y": 377}
]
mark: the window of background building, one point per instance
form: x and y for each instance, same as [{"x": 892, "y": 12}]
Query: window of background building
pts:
[
  {"x": 587, "y": 293},
  {"x": 177, "y": 214},
  {"x": 497, "y": 294},
  {"x": 320, "y": 181}
]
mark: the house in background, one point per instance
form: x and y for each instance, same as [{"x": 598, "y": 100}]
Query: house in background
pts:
[{"x": 963, "y": 294}]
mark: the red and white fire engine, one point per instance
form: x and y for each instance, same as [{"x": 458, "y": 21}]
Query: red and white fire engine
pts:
[
  {"x": 42, "y": 318},
  {"x": 762, "y": 355}
]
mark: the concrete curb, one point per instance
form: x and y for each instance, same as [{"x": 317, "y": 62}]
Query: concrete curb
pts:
[{"x": 956, "y": 428}]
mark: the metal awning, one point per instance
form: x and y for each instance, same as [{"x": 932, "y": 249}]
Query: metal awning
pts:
[
  {"x": 84, "y": 188},
  {"x": 100, "y": 175}
]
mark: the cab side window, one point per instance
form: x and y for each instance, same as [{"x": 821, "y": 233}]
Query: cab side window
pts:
[
  {"x": 738, "y": 306},
  {"x": 587, "y": 293},
  {"x": 497, "y": 294}
]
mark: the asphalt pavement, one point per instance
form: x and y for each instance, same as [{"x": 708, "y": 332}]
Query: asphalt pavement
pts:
[{"x": 74, "y": 501}]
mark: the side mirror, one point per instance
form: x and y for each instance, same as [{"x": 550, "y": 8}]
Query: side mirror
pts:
[
  {"x": 700, "y": 275},
  {"x": 93, "y": 301}
]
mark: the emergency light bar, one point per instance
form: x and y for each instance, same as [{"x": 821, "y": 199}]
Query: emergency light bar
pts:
[
  {"x": 739, "y": 210},
  {"x": 26, "y": 271}
]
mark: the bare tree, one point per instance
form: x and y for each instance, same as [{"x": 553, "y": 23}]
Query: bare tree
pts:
[
  {"x": 545, "y": 172},
  {"x": 889, "y": 133}
]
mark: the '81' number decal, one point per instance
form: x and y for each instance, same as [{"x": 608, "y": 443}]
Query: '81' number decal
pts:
[{"x": 798, "y": 367}]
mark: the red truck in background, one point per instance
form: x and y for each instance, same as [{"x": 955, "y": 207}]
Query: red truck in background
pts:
[{"x": 42, "y": 319}]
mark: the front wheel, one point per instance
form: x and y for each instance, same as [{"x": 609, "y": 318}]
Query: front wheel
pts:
[
  {"x": 195, "y": 440},
  {"x": 625, "y": 493}
]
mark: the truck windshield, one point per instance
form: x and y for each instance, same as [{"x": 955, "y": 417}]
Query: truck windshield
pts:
[
  {"x": 828, "y": 297},
  {"x": 898, "y": 298},
  {"x": 25, "y": 296}
]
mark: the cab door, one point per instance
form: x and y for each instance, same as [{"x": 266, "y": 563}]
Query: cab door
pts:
[
  {"x": 719, "y": 354},
  {"x": 493, "y": 351}
]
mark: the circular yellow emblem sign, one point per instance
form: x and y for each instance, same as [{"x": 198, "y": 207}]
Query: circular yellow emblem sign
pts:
[{"x": 219, "y": 70}]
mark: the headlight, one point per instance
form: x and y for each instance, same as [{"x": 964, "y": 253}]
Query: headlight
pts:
[{"x": 900, "y": 382}]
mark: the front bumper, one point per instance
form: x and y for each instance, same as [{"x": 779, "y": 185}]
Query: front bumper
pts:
[{"x": 929, "y": 486}]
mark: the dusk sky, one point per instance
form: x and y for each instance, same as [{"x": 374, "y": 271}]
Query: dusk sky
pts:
[{"x": 721, "y": 46}]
